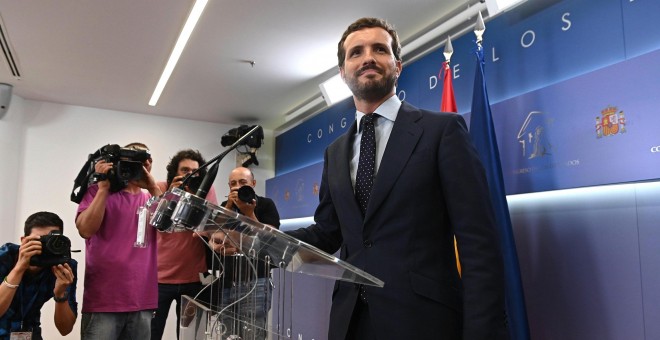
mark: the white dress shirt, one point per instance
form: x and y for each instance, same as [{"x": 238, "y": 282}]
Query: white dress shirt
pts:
[{"x": 383, "y": 125}]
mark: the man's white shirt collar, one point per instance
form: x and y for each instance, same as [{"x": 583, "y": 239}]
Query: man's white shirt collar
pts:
[{"x": 389, "y": 109}]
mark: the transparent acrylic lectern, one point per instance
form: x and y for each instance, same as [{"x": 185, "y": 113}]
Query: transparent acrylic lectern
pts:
[{"x": 259, "y": 245}]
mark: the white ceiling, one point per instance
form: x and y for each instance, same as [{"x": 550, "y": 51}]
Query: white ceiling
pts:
[{"x": 110, "y": 54}]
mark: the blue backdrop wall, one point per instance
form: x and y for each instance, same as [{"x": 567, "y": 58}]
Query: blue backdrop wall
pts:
[{"x": 572, "y": 86}]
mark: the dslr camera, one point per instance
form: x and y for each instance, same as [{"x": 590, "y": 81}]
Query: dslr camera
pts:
[
  {"x": 127, "y": 165},
  {"x": 55, "y": 249},
  {"x": 246, "y": 194}
]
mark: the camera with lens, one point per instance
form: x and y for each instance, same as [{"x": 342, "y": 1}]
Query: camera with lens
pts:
[
  {"x": 253, "y": 141},
  {"x": 195, "y": 181},
  {"x": 127, "y": 165},
  {"x": 55, "y": 249},
  {"x": 246, "y": 194},
  {"x": 192, "y": 183}
]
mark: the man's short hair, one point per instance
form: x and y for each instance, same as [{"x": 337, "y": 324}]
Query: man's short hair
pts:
[
  {"x": 137, "y": 146},
  {"x": 173, "y": 165},
  {"x": 363, "y": 23},
  {"x": 42, "y": 219}
]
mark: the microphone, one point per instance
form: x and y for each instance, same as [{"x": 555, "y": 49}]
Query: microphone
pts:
[{"x": 208, "y": 181}]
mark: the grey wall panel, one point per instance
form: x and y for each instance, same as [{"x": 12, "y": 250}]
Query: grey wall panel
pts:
[
  {"x": 648, "y": 209},
  {"x": 579, "y": 259}
]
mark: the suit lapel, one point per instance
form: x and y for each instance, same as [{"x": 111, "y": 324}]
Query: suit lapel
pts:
[
  {"x": 341, "y": 171},
  {"x": 402, "y": 142}
]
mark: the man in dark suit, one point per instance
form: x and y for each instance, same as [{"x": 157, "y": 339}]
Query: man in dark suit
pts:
[{"x": 424, "y": 184}]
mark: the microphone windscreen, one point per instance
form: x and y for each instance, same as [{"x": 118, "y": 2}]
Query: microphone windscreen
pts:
[{"x": 208, "y": 181}]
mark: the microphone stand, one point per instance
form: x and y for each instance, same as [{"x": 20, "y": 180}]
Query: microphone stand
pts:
[{"x": 208, "y": 180}]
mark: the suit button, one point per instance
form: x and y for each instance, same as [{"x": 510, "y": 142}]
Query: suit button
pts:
[{"x": 367, "y": 244}]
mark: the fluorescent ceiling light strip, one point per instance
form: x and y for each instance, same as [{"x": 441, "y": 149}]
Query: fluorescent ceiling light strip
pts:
[
  {"x": 194, "y": 16},
  {"x": 497, "y": 6}
]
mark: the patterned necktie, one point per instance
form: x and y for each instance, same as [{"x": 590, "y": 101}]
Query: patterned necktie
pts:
[{"x": 364, "y": 180}]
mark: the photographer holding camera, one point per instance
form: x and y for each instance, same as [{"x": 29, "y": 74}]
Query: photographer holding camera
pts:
[
  {"x": 26, "y": 287},
  {"x": 243, "y": 199},
  {"x": 120, "y": 274},
  {"x": 181, "y": 256}
]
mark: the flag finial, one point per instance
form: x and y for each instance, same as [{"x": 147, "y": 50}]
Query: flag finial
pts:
[
  {"x": 479, "y": 29},
  {"x": 449, "y": 50}
]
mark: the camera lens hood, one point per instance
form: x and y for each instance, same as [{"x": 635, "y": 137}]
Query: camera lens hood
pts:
[{"x": 246, "y": 194}]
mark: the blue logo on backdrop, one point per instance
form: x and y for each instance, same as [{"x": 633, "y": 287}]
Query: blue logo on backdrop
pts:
[{"x": 532, "y": 136}]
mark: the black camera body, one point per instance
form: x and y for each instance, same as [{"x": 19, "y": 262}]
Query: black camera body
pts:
[
  {"x": 127, "y": 165},
  {"x": 254, "y": 141},
  {"x": 191, "y": 183},
  {"x": 246, "y": 194},
  {"x": 55, "y": 249},
  {"x": 195, "y": 181}
]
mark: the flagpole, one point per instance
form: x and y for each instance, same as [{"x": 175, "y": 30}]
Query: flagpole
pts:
[
  {"x": 448, "y": 102},
  {"x": 482, "y": 131}
]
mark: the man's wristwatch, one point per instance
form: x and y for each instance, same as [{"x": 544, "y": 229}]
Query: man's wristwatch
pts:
[{"x": 63, "y": 298}]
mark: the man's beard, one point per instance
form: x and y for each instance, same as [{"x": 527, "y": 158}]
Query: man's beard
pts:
[{"x": 371, "y": 90}]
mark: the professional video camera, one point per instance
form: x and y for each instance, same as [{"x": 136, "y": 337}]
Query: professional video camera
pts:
[
  {"x": 254, "y": 141},
  {"x": 55, "y": 249},
  {"x": 126, "y": 166}
]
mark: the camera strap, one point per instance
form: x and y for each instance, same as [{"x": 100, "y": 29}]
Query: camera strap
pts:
[{"x": 82, "y": 180}]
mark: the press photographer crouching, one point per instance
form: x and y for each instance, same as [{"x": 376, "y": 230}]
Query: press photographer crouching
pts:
[{"x": 38, "y": 269}]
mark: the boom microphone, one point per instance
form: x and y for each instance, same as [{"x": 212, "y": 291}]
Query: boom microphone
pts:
[
  {"x": 208, "y": 181},
  {"x": 211, "y": 173}
]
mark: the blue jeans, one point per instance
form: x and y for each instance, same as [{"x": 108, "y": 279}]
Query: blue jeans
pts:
[
  {"x": 247, "y": 318},
  {"x": 166, "y": 294},
  {"x": 114, "y": 326}
]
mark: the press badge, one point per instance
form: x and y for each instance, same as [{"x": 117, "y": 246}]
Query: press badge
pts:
[
  {"x": 141, "y": 239},
  {"x": 20, "y": 336}
]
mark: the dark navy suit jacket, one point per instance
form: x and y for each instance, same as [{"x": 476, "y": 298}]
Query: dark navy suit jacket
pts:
[{"x": 430, "y": 186}]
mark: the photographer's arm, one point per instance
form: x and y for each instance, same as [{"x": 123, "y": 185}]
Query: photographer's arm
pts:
[
  {"x": 246, "y": 209},
  {"x": 7, "y": 294},
  {"x": 65, "y": 318},
  {"x": 29, "y": 247},
  {"x": 148, "y": 182},
  {"x": 89, "y": 221}
]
